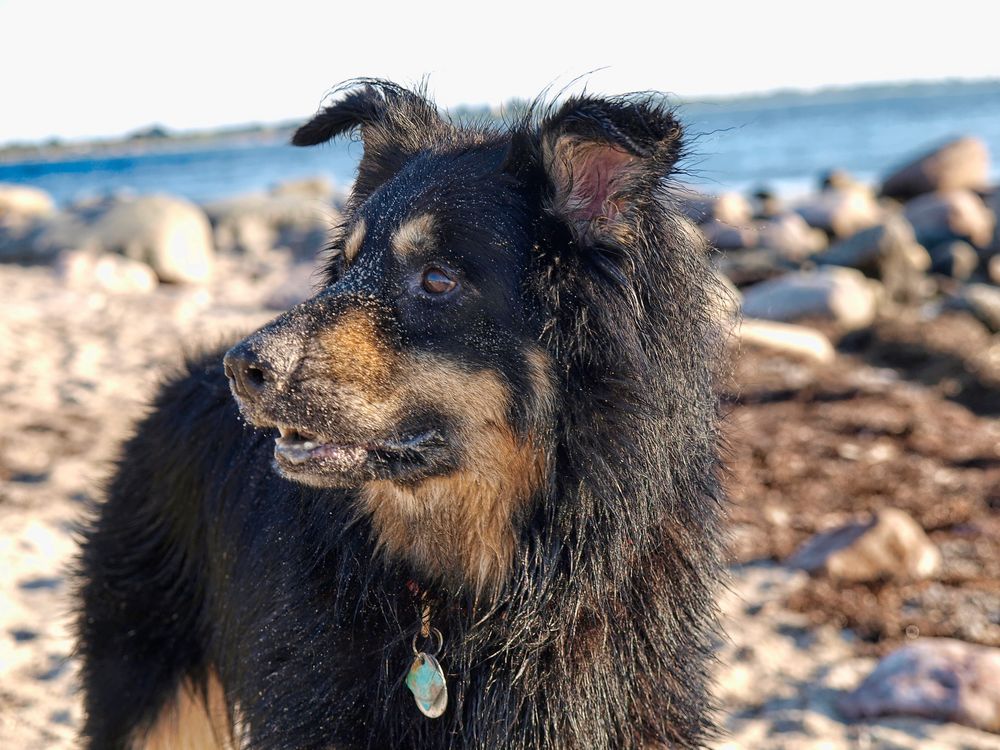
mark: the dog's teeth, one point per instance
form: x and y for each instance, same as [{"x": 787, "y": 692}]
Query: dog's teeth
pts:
[{"x": 308, "y": 445}]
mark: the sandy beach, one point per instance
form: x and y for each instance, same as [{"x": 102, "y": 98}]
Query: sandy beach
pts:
[{"x": 836, "y": 411}]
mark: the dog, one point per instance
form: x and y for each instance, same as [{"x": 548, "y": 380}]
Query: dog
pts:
[{"x": 467, "y": 495}]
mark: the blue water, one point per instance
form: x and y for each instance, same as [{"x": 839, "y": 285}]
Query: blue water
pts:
[{"x": 783, "y": 141}]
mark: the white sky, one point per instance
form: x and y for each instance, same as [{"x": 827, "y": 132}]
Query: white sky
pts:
[{"x": 82, "y": 68}]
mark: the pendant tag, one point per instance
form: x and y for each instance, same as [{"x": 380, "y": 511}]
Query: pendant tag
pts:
[{"x": 426, "y": 681}]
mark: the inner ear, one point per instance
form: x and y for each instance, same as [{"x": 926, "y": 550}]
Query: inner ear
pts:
[{"x": 587, "y": 178}]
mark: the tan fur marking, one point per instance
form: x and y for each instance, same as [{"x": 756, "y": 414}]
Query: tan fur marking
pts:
[
  {"x": 352, "y": 245},
  {"x": 357, "y": 353},
  {"x": 461, "y": 524},
  {"x": 188, "y": 722},
  {"x": 414, "y": 235}
]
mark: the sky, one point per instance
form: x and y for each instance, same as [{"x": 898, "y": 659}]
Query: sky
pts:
[{"x": 98, "y": 68}]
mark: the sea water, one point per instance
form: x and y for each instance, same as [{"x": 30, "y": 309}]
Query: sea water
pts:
[{"x": 783, "y": 142}]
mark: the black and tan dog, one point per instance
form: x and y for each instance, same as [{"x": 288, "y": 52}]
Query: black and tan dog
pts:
[{"x": 478, "y": 469}]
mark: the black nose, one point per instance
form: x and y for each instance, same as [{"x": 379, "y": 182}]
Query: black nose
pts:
[{"x": 247, "y": 372}]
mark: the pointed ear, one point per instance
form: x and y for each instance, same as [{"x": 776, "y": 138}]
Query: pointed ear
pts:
[
  {"x": 395, "y": 123},
  {"x": 603, "y": 157}
]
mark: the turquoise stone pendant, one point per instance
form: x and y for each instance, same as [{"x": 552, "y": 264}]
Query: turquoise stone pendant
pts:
[{"x": 426, "y": 681}]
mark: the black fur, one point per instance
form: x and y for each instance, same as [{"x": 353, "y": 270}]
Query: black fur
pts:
[{"x": 203, "y": 557}]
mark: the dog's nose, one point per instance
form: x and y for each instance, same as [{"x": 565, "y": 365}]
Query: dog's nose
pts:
[{"x": 249, "y": 374}]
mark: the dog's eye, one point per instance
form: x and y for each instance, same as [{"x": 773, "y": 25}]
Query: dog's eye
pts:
[{"x": 437, "y": 281}]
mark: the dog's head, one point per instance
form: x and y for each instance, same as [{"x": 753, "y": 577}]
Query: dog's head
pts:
[{"x": 422, "y": 373}]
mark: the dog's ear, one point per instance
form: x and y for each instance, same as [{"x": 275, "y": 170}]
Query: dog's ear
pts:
[
  {"x": 395, "y": 123},
  {"x": 603, "y": 157}
]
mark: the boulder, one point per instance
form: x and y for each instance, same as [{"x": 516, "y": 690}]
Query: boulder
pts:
[
  {"x": 766, "y": 204},
  {"x": 799, "y": 341},
  {"x": 950, "y": 215},
  {"x": 732, "y": 209},
  {"x": 83, "y": 269},
  {"x": 982, "y": 300},
  {"x": 170, "y": 234},
  {"x": 837, "y": 179},
  {"x": 256, "y": 224},
  {"x": 728, "y": 237},
  {"x": 933, "y": 678},
  {"x": 840, "y": 295},
  {"x": 889, "y": 546},
  {"x": 791, "y": 236},
  {"x": 994, "y": 269},
  {"x": 963, "y": 163},
  {"x": 747, "y": 267},
  {"x": 841, "y": 211},
  {"x": 19, "y": 203},
  {"x": 317, "y": 187},
  {"x": 889, "y": 252},
  {"x": 956, "y": 258}
]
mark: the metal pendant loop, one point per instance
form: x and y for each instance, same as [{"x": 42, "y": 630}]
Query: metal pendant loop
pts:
[{"x": 434, "y": 633}]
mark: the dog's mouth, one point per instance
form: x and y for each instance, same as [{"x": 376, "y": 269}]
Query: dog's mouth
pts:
[{"x": 306, "y": 456}]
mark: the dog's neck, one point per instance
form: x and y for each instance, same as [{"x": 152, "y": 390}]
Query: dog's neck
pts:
[{"x": 461, "y": 527}]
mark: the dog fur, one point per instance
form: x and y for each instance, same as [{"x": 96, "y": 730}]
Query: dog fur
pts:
[{"x": 510, "y": 371}]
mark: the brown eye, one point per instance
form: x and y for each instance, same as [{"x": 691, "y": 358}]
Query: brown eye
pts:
[{"x": 436, "y": 281}]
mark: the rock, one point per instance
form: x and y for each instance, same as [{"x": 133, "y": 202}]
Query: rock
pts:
[
  {"x": 791, "y": 236},
  {"x": 256, "y": 224},
  {"x": 732, "y": 209},
  {"x": 889, "y": 546},
  {"x": 948, "y": 215},
  {"x": 786, "y": 338},
  {"x": 841, "y": 295},
  {"x": 318, "y": 188},
  {"x": 956, "y": 258},
  {"x": 934, "y": 678},
  {"x": 20, "y": 203},
  {"x": 841, "y": 211},
  {"x": 766, "y": 204},
  {"x": 116, "y": 274},
  {"x": 837, "y": 179},
  {"x": 888, "y": 252},
  {"x": 747, "y": 267},
  {"x": 994, "y": 269},
  {"x": 170, "y": 234},
  {"x": 982, "y": 300},
  {"x": 727, "y": 237},
  {"x": 962, "y": 163}
]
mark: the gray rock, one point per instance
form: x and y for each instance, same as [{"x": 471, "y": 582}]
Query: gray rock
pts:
[
  {"x": 837, "y": 179},
  {"x": 256, "y": 224},
  {"x": 20, "y": 203},
  {"x": 786, "y": 338},
  {"x": 766, "y": 204},
  {"x": 318, "y": 188},
  {"x": 982, "y": 300},
  {"x": 890, "y": 546},
  {"x": 791, "y": 236},
  {"x": 950, "y": 215},
  {"x": 956, "y": 258},
  {"x": 889, "y": 252},
  {"x": 728, "y": 237},
  {"x": 746, "y": 267},
  {"x": 841, "y": 211},
  {"x": 934, "y": 678},
  {"x": 841, "y": 295},
  {"x": 170, "y": 234},
  {"x": 732, "y": 209},
  {"x": 962, "y": 163}
]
